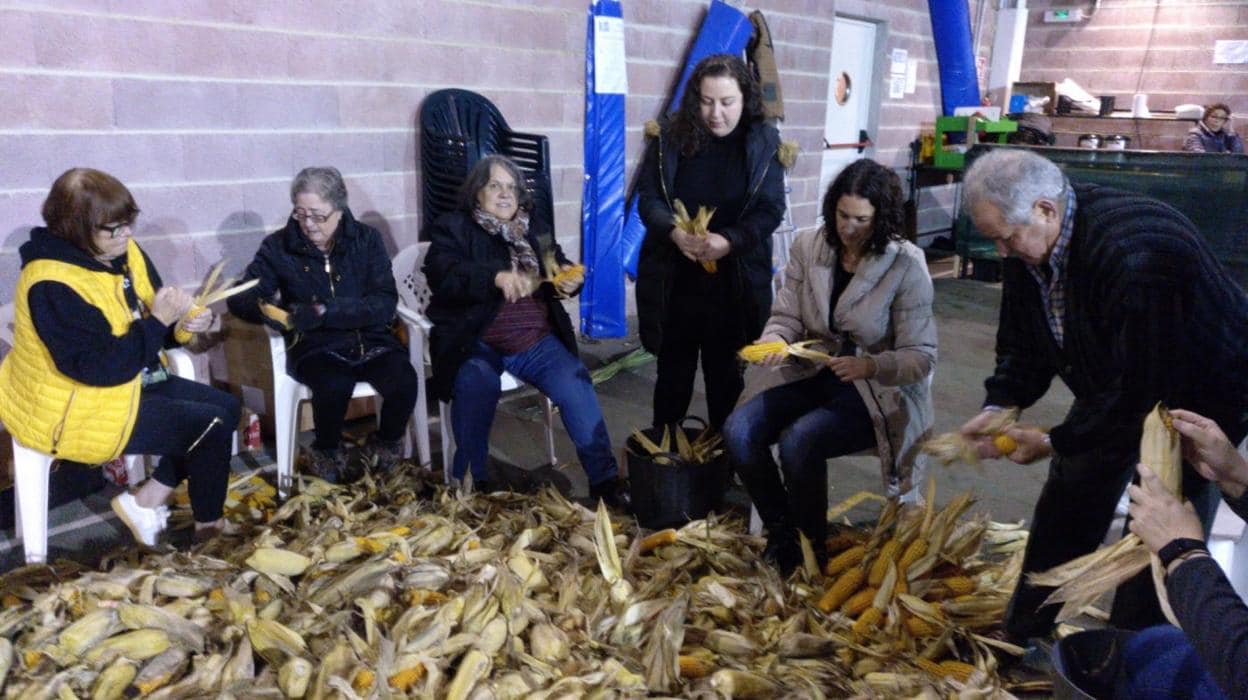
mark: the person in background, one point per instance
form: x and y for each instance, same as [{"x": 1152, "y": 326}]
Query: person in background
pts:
[
  {"x": 495, "y": 308},
  {"x": 715, "y": 151},
  {"x": 86, "y": 379},
  {"x": 1213, "y": 133},
  {"x": 331, "y": 273},
  {"x": 1208, "y": 657},
  {"x": 857, "y": 286},
  {"x": 1119, "y": 296}
]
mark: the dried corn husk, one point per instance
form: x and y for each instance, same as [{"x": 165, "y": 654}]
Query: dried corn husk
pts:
[{"x": 696, "y": 226}]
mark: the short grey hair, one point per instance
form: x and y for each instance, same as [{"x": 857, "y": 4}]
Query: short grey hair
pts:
[
  {"x": 1012, "y": 179},
  {"x": 323, "y": 181}
]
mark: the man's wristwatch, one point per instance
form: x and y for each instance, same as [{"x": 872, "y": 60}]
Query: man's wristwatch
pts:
[{"x": 1178, "y": 547}]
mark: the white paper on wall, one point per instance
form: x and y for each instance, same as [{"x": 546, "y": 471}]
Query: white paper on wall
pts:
[
  {"x": 912, "y": 75},
  {"x": 610, "y": 64},
  {"x": 897, "y": 61},
  {"x": 896, "y": 86},
  {"x": 1230, "y": 51}
]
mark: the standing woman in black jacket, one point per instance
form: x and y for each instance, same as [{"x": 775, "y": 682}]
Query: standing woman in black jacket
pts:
[
  {"x": 717, "y": 152},
  {"x": 332, "y": 274}
]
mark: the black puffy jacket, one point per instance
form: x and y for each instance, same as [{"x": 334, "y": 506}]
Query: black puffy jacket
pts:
[
  {"x": 749, "y": 261},
  {"x": 462, "y": 261},
  {"x": 359, "y": 299}
]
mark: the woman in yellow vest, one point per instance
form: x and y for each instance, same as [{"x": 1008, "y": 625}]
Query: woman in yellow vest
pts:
[{"x": 85, "y": 379}]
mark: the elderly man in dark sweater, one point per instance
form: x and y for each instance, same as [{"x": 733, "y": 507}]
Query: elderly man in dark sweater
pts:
[{"x": 1119, "y": 296}]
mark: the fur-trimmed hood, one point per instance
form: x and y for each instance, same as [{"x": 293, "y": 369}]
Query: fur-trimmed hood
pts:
[{"x": 786, "y": 154}]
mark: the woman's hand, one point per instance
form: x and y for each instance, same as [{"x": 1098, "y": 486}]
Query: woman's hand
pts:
[
  {"x": 1031, "y": 445},
  {"x": 973, "y": 431},
  {"x": 514, "y": 284},
  {"x": 171, "y": 304},
  {"x": 198, "y": 323},
  {"x": 1211, "y": 452},
  {"x": 716, "y": 247},
  {"x": 1156, "y": 515},
  {"x": 851, "y": 369},
  {"x": 570, "y": 285},
  {"x": 690, "y": 246},
  {"x": 774, "y": 359}
]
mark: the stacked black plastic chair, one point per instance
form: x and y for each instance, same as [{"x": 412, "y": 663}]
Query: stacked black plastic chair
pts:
[{"x": 458, "y": 128}]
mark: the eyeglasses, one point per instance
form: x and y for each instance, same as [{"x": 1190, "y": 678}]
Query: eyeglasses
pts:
[
  {"x": 314, "y": 217},
  {"x": 496, "y": 187},
  {"x": 113, "y": 229}
]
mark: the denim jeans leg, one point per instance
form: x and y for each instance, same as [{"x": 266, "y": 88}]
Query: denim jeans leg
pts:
[
  {"x": 562, "y": 376},
  {"x": 475, "y": 399},
  {"x": 749, "y": 433}
]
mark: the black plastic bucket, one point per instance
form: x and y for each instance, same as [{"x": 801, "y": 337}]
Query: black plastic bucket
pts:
[
  {"x": 666, "y": 490},
  {"x": 1087, "y": 665}
]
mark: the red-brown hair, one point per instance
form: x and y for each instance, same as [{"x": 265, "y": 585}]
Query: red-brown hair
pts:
[{"x": 81, "y": 201}]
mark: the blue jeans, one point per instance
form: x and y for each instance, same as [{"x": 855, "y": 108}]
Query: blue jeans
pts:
[
  {"x": 1159, "y": 663},
  {"x": 555, "y": 372},
  {"x": 812, "y": 419}
]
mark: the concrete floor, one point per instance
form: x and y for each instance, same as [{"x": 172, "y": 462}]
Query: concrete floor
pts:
[{"x": 966, "y": 312}]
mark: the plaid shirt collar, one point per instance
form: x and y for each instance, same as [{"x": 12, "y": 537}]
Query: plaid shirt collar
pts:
[{"x": 1053, "y": 290}]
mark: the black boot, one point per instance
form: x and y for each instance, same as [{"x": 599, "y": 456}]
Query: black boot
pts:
[
  {"x": 613, "y": 492},
  {"x": 783, "y": 552}
]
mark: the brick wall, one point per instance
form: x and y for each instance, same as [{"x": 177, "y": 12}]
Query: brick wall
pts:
[
  {"x": 206, "y": 109},
  {"x": 1163, "y": 49}
]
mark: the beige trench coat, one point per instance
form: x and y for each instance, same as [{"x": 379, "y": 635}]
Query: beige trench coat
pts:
[{"x": 887, "y": 311}]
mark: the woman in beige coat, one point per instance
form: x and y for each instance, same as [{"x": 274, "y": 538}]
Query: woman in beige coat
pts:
[{"x": 860, "y": 289}]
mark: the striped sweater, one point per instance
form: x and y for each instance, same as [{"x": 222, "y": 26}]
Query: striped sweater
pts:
[{"x": 1151, "y": 315}]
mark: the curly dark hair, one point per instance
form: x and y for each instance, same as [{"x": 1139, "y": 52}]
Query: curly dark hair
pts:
[
  {"x": 882, "y": 188},
  {"x": 1215, "y": 107},
  {"x": 688, "y": 131}
]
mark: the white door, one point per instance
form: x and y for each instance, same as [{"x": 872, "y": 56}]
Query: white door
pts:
[{"x": 851, "y": 80}]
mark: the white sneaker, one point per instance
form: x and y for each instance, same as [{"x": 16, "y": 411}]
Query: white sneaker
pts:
[{"x": 145, "y": 524}]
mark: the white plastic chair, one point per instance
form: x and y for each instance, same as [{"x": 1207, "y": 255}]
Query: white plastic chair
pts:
[
  {"x": 289, "y": 393},
  {"x": 415, "y": 293},
  {"x": 31, "y": 468}
]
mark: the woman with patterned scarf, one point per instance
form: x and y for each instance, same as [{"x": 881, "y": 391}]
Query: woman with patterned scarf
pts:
[{"x": 493, "y": 309}]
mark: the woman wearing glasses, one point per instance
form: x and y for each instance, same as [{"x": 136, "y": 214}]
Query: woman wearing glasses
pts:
[
  {"x": 1213, "y": 134},
  {"x": 332, "y": 274},
  {"x": 86, "y": 379},
  {"x": 492, "y": 311}
]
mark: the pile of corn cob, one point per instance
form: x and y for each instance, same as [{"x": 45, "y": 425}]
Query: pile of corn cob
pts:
[
  {"x": 704, "y": 448},
  {"x": 400, "y": 588}
]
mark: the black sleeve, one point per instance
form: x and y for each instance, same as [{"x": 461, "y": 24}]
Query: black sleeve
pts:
[
  {"x": 764, "y": 213},
  {"x": 81, "y": 341},
  {"x": 264, "y": 268},
  {"x": 1022, "y": 374},
  {"x": 652, "y": 205},
  {"x": 453, "y": 275},
  {"x": 1214, "y": 619},
  {"x": 376, "y": 306}
]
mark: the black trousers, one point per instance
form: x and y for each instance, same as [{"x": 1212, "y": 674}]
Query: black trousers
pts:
[
  {"x": 698, "y": 329},
  {"x": 1075, "y": 509},
  {"x": 191, "y": 425},
  {"x": 331, "y": 381}
]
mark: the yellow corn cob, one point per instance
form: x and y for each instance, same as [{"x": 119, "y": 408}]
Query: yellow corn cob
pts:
[
  {"x": 916, "y": 549},
  {"x": 850, "y": 557},
  {"x": 571, "y": 272},
  {"x": 901, "y": 586},
  {"x": 271, "y": 560},
  {"x": 959, "y": 585},
  {"x": 1004, "y": 443},
  {"x": 845, "y": 586},
  {"x": 657, "y": 540},
  {"x": 858, "y": 602},
  {"x": 694, "y": 667},
  {"x": 363, "y": 680},
  {"x": 888, "y": 553},
  {"x": 408, "y": 677},
  {"x": 760, "y": 351},
  {"x": 421, "y": 596},
  {"x": 921, "y": 628},
  {"x": 868, "y": 621},
  {"x": 277, "y": 314}
]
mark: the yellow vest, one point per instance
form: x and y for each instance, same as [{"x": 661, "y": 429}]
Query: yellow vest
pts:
[{"x": 46, "y": 410}]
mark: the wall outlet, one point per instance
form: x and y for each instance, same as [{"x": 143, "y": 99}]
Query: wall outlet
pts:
[{"x": 1063, "y": 15}]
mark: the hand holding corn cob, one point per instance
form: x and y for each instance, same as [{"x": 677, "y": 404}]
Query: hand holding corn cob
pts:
[
  {"x": 769, "y": 350},
  {"x": 1211, "y": 452},
  {"x": 697, "y": 227}
]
